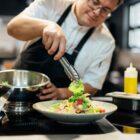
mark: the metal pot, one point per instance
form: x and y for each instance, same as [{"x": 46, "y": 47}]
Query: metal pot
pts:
[{"x": 22, "y": 86}]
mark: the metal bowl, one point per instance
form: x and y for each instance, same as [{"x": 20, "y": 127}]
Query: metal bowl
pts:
[{"x": 23, "y": 85}]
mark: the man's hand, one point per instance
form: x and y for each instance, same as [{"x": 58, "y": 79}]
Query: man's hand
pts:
[
  {"x": 54, "y": 40},
  {"x": 50, "y": 92}
]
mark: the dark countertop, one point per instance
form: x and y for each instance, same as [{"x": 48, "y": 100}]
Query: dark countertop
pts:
[{"x": 36, "y": 123}]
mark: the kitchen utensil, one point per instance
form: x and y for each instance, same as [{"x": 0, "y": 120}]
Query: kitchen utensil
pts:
[
  {"x": 69, "y": 70},
  {"x": 21, "y": 86}
]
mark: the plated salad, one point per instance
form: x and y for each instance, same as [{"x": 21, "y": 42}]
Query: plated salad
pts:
[{"x": 78, "y": 103}]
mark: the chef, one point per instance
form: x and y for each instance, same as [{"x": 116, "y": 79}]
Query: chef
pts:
[{"x": 71, "y": 28}]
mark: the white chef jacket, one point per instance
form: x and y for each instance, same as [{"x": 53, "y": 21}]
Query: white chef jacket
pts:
[{"x": 93, "y": 61}]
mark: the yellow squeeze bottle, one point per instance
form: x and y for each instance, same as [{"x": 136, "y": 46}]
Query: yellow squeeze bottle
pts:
[{"x": 130, "y": 80}]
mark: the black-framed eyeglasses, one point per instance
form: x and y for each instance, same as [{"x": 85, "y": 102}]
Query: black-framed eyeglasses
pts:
[{"x": 96, "y": 5}]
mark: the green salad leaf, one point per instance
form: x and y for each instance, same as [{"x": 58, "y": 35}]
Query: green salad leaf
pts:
[{"x": 77, "y": 87}]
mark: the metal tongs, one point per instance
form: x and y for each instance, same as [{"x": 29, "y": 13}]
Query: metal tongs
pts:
[{"x": 69, "y": 70}]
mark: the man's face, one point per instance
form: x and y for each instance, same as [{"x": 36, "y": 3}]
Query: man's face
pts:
[{"x": 92, "y": 13}]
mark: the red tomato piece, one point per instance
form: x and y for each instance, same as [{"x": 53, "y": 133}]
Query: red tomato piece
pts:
[{"x": 79, "y": 101}]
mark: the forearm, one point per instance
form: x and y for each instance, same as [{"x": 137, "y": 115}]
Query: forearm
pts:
[
  {"x": 26, "y": 28},
  {"x": 89, "y": 89},
  {"x": 65, "y": 93}
]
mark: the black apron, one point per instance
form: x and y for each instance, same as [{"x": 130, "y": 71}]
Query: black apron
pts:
[{"x": 36, "y": 58}]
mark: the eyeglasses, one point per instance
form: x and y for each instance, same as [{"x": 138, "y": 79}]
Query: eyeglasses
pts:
[{"x": 96, "y": 5}]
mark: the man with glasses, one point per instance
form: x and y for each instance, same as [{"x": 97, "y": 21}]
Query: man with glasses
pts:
[{"x": 74, "y": 28}]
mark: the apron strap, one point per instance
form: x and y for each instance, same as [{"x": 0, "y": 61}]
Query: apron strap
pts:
[
  {"x": 82, "y": 42},
  {"x": 64, "y": 15}
]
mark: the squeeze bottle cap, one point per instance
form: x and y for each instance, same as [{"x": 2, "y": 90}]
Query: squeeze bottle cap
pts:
[
  {"x": 131, "y": 68},
  {"x": 131, "y": 71}
]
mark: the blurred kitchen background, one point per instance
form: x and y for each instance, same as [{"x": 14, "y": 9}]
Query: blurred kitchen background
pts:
[{"x": 124, "y": 25}]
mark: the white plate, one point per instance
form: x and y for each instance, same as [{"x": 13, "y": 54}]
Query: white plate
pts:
[
  {"x": 42, "y": 107},
  {"x": 123, "y": 95}
]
